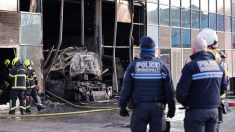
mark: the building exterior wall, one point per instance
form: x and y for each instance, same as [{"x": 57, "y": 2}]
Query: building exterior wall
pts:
[{"x": 177, "y": 22}]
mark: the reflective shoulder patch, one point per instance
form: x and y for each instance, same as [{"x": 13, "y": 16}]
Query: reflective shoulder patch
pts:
[
  {"x": 147, "y": 67},
  {"x": 208, "y": 65}
]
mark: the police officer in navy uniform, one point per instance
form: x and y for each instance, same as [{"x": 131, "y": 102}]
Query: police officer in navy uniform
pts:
[
  {"x": 219, "y": 56},
  {"x": 148, "y": 85},
  {"x": 199, "y": 89},
  {"x": 18, "y": 77}
]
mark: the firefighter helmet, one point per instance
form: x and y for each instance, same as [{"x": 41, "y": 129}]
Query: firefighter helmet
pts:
[
  {"x": 15, "y": 60},
  {"x": 209, "y": 36},
  {"x": 28, "y": 62},
  {"x": 7, "y": 62}
]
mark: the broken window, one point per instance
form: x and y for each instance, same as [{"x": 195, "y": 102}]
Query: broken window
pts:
[{"x": 33, "y": 6}]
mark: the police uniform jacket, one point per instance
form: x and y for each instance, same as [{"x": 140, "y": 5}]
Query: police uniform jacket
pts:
[
  {"x": 201, "y": 83},
  {"x": 147, "y": 79}
]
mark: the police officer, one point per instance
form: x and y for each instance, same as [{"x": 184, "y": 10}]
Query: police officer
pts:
[
  {"x": 148, "y": 85},
  {"x": 199, "y": 89},
  {"x": 18, "y": 77},
  {"x": 215, "y": 53},
  {"x": 32, "y": 87}
]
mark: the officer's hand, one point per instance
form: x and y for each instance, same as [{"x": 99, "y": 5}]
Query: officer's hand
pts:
[
  {"x": 171, "y": 113},
  {"x": 124, "y": 112}
]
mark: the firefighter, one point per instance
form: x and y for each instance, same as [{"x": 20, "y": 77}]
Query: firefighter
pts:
[
  {"x": 7, "y": 64},
  {"x": 18, "y": 77},
  {"x": 32, "y": 87},
  {"x": 199, "y": 90},
  {"x": 148, "y": 86},
  {"x": 215, "y": 53},
  {"x": 5, "y": 82}
]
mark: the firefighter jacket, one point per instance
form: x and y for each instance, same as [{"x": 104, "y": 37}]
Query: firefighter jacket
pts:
[
  {"x": 214, "y": 54},
  {"x": 18, "y": 77},
  {"x": 147, "y": 80},
  {"x": 219, "y": 57},
  {"x": 31, "y": 79},
  {"x": 201, "y": 83}
]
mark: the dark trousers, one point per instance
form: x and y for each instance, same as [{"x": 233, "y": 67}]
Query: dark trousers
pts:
[
  {"x": 201, "y": 120},
  {"x": 14, "y": 93},
  {"x": 147, "y": 113},
  {"x": 32, "y": 92}
]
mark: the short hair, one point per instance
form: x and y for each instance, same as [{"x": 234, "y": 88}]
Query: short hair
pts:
[{"x": 199, "y": 44}]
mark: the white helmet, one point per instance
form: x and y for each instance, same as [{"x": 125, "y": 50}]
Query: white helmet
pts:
[{"x": 209, "y": 36}]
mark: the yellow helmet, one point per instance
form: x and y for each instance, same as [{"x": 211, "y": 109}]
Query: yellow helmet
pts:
[
  {"x": 28, "y": 62},
  {"x": 15, "y": 60},
  {"x": 7, "y": 62}
]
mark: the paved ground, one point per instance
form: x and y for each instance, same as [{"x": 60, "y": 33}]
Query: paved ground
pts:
[{"x": 94, "y": 122}]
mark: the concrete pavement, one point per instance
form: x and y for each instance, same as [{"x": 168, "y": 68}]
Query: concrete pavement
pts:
[{"x": 94, "y": 122}]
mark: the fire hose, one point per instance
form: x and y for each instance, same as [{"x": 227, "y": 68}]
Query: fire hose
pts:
[{"x": 93, "y": 109}]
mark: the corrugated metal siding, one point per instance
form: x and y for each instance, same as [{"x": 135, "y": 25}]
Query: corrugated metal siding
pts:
[{"x": 9, "y": 28}]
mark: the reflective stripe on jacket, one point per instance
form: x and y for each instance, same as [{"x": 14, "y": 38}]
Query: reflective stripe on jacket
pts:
[
  {"x": 31, "y": 79},
  {"x": 18, "y": 76}
]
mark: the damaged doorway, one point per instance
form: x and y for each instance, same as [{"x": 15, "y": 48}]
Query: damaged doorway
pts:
[
  {"x": 130, "y": 27},
  {"x": 6, "y": 53},
  {"x": 78, "y": 31}
]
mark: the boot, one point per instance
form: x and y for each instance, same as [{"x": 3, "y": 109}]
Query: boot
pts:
[
  {"x": 28, "y": 111},
  {"x": 40, "y": 107},
  {"x": 22, "y": 111},
  {"x": 12, "y": 112},
  {"x": 12, "y": 107}
]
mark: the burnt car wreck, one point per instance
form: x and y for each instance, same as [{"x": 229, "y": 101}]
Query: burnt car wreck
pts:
[{"x": 77, "y": 75}]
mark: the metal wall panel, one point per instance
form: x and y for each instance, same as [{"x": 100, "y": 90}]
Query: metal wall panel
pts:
[
  {"x": 165, "y": 55},
  {"x": 229, "y": 62},
  {"x": 164, "y": 37},
  {"x": 9, "y": 25},
  {"x": 176, "y": 64},
  {"x": 31, "y": 29},
  {"x": 221, "y": 41},
  {"x": 194, "y": 34},
  {"x": 228, "y": 41},
  {"x": 186, "y": 56},
  {"x": 36, "y": 55}
]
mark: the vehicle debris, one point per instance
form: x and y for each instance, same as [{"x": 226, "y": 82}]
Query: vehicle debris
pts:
[{"x": 76, "y": 75}]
